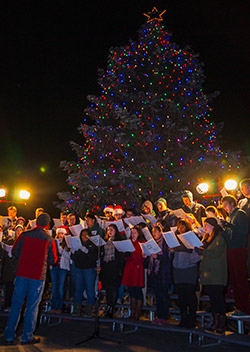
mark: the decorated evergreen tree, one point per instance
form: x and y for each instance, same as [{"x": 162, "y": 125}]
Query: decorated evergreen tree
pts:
[{"x": 149, "y": 132}]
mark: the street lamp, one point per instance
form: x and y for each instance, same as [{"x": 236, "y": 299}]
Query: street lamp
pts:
[
  {"x": 2, "y": 192},
  {"x": 230, "y": 185},
  {"x": 202, "y": 188},
  {"x": 23, "y": 194}
]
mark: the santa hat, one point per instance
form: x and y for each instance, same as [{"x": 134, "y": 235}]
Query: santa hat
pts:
[
  {"x": 118, "y": 210},
  {"x": 62, "y": 229},
  {"x": 109, "y": 208}
]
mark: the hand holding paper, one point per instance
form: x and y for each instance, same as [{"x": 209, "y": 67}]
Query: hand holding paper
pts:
[
  {"x": 190, "y": 240},
  {"x": 171, "y": 239}
]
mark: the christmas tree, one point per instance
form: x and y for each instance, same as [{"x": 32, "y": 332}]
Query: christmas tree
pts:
[{"x": 149, "y": 132}]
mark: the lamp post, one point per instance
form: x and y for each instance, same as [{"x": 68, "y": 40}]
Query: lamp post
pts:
[
  {"x": 23, "y": 196},
  {"x": 229, "y": 185}
]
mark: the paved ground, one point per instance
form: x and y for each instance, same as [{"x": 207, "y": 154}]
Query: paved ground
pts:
[{"x": 66, "y": 335}]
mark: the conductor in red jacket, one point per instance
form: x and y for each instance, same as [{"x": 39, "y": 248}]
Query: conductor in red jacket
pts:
[{"x": 34, "y": 249}]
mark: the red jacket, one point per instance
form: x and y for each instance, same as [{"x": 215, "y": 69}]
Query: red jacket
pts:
[
  {"x": 34, "y": 250},
  {"x": 133, "y": 274}
]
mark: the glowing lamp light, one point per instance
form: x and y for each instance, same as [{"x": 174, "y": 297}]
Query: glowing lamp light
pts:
[
  {"x": 230, "y": 185},
  {"x": 23, "y": 194},
  {"x": 202, "y": 188},
  {"x": 2, "y": 192}
]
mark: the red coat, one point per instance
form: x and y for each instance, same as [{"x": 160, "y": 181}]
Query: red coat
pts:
[{"x": 133, "y": 274}]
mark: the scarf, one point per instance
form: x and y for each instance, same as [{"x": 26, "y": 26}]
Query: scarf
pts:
[{"x": 109, "y": 251}]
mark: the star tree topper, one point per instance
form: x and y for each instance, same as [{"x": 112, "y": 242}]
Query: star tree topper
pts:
[{"x": 154, "y": 15}]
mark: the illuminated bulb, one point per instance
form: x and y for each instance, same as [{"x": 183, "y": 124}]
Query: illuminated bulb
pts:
[
  {"x": 230, "y": 185},
  {"x": 202, "y": 188},
  {"x": 24, "y": 194}
]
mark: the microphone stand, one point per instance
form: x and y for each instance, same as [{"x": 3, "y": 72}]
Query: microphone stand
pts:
[{"x": 95, "y": 334}]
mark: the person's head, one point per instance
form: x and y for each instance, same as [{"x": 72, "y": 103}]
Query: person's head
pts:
[
  {"x": 147, "y": 207},
  {"x": 137, "y": 234},
  {"x": 157, "y": 232},
  {"x": 90, "y": 220},
  {"x": 187, "y": 198},
  {"x": 229, "y": 203},
  {"x": 211, "y": 225},
  {"x": 130, "y": 212},
  {"x": 245, "y": 187},
  {"x": 61, "y": 231},
  {"x": 39, "y": 211},
  {"x": 63, "y": 217},
  {"x": 18, "y": 230},
  {"x": 12, "y": 211},
  {"x": 20, "y": 221},
  {"x": 43, "y": 221},
  {"x": 84, "y": 235},
  {"x": 112, "y": 232},
  {"x": 71, "y": 219},
  {"x": 118, "y": 212},
  {"x": 211, "y": 211},
  {"x": 108, "y": 211},
  {"x": 161, "y": 204},
  {"x": 221, "y": 212},
  {"x": 183, "y": 226}
]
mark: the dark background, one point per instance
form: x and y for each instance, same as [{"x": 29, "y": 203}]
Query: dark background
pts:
[{"x": 50, "y": 53}]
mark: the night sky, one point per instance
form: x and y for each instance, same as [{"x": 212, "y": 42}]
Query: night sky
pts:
[{"x": 50, "y": 54}]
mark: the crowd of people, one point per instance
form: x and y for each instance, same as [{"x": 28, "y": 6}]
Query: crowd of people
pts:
[{"x": 40, "y": 251}]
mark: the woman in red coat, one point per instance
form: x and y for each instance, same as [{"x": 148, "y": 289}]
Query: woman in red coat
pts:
[{"x": 133, "y": 274}]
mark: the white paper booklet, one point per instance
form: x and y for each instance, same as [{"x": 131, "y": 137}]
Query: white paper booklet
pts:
[
  {"x": 97, "y": 240},
  {"x": 179, "y": 213},
  {"x": 73, "y": 242},
  {"x": 57, "y": 222},
  {"x": 152, "y": 219},
  {"x": 134, "y": 220},
  {"x": 124, "y": 246},
  {"x": 101, "y": 223},
  {"x": 150, "y": 247},
  {"x": 32, "y": 223},
  {"x": 190, "y": 240},
  {"x": 83, "y": 223},
  {"x": 118, "y": 223},
  {"x": 171, "y": 239},
  {"x": 7, "y": 248},
  {"x": 147, "y": 234},
  {"x": 76, "y": 229},
  {"x": 128, "y": 232}
]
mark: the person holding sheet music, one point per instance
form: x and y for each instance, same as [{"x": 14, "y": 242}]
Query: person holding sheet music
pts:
[
  {"x": 9, "y": 265},
  {"x": 236, "y": 232},
  {"x": 71, "y": 221},
  {"x": 133, "y": 274},
  {"x": 159, "y": 276},
  {"x": 213, "y": 272},
  {"x": 93, "y": 225},
  {"x": 85, "y": 261},
  {"x": 112, "y": 265},
  {"x": 195, "y": 208},
  {"x": 185, "y": 275},
  {"x": 164, "y": 213},
  {"x": 59, "y": 271}
]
